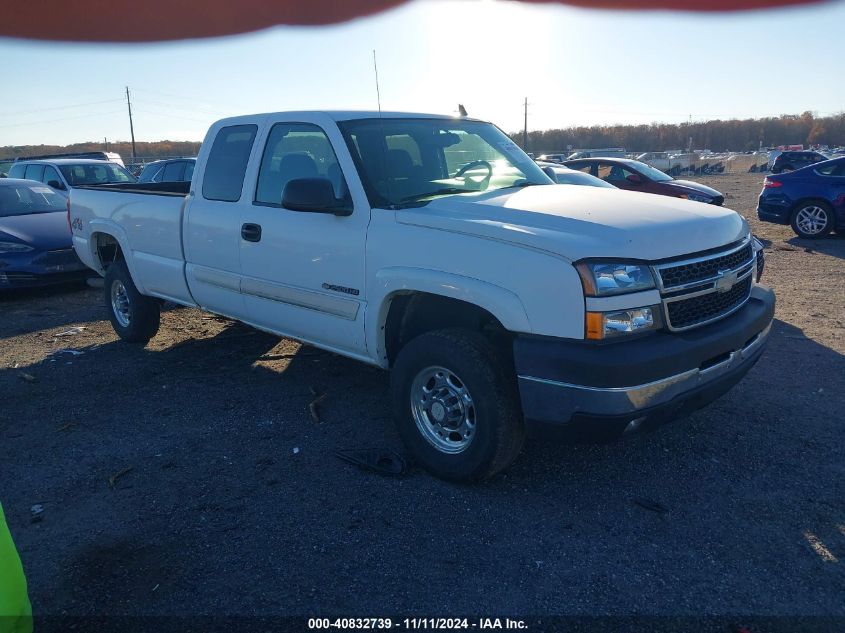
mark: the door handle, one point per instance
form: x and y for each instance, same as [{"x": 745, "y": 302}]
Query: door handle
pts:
[{"x": 251, "y": 232}]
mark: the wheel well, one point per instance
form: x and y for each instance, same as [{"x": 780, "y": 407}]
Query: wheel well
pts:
[
  {"x": 803, "y": 201},
  {"x": 416, "y": 313},
  {"x": 107, "y": 250}
]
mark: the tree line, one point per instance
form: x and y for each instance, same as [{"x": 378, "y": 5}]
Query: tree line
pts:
[
  {"x": 717, "y": 135},
  {"x": 144, "y": 149}
]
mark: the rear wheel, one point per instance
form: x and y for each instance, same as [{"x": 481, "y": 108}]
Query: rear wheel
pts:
[
  {"x": 133, "y": 316},
  {"x": 812, "y": 219},
  {"x": 456, "y": 405}
]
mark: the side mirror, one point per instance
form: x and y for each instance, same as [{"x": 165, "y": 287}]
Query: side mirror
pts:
[
  {"x": 635, "y": 179},
  {"x": 550, "y": 173},
  {"x": 315, "y": 195},
  {"x": 55, "y": 184}
]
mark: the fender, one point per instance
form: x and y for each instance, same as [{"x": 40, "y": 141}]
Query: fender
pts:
[
  {"x": 389, "y": 282},
  {"x": 114, "y": 230}
]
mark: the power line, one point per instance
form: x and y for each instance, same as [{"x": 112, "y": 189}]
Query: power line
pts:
[
  {"x": 68, "y": 118},
  {"x": 77, "y": 105}
]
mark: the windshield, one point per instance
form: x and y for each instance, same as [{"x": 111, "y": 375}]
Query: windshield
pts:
[
  {"x": 95, "y": 174},
  {"x": 23, "y": 199},
  {"x": 407, "y": 162},
  {"x": 580, "y": 178},
  {"x": 652, "y": 173}
]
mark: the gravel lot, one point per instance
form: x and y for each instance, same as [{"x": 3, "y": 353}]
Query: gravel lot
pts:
[{"x": 225, "y": 496}]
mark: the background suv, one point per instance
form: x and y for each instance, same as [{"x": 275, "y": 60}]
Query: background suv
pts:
[
  {"x": 790, "y": 161},
  {"x": 63, "y": 174}
]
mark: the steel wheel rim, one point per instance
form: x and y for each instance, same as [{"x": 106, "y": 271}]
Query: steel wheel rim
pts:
[
  {"x": 120, "y": 303},
  {"x": 812, "y": 220},
  {"x": 443, "y": 410}
]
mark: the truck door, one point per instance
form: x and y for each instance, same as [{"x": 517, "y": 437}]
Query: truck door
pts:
[
  {"x": 303, "y": 272},
  {"x": 212, "y": 230}
]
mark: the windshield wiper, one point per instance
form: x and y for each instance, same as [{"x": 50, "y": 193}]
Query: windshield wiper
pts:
[
  {"x": 519, "y": 185},
  {"x": 439, "y": 192}
]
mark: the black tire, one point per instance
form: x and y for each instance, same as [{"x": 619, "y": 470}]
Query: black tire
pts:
[
  {"x": 821, "y": 210},
  {"x": 144, "y": 313},
  {"x": 499, "y": 431}
]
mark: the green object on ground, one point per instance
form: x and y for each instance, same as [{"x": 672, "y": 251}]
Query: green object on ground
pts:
[{"x": 15, "y": 610}]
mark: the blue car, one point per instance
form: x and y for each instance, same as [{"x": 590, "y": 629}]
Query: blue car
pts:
[
  {"x": 35, "y": 241},
  {"x": 811, "y": 199}
]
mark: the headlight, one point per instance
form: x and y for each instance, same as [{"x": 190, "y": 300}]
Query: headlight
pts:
[
  {"x": 14, "y": 247},
  {"x": 601, "y": 279},
  {"x": 602, "y": 325},
  {"x": 696, "y": 197}
]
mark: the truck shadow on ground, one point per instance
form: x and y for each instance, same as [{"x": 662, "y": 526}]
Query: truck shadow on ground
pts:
[
  {"x": 183, "y": 465},
  {"x": 28, "y": 310}
]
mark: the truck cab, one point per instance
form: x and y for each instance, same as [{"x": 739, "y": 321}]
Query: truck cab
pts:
[{"x": 435, "y": 248}]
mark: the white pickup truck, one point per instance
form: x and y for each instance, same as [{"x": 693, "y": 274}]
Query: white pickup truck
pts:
[{"x": 435, "y": 248}]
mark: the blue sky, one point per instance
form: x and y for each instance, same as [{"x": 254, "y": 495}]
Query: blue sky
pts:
[{"x": 576, "y": 66}]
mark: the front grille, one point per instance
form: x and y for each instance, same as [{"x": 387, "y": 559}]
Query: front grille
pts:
[
  {"x": 686, "y": 313},
  {"x": 17, "y": 278},
  {"x": 690, "y": 272}
]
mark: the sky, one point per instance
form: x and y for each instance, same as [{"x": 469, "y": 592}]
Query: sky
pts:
[{"x": 575, "y": 66}]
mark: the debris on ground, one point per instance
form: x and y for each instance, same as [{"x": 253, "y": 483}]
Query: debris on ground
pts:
[
  {"x": 382, "y": 461},
  {"x": 314, "y": 406},
  {"x": 650, "y": 504},
  {"x": 296, "y": 450},
  {"x": 73, "y": 331},
  {"x": 113, "y": 479},
  {"x": 66, "y": 350}
]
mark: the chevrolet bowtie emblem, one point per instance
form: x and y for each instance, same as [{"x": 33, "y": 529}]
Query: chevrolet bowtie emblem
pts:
[{"x": 725, "y": 281}]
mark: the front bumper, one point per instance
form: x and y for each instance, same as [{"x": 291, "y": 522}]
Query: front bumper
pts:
[
  {"x": 41, "y": 268},
  {"x": 597, "y": 392}
]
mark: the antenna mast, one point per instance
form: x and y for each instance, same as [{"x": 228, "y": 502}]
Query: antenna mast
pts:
[{"x": 378, "y": 92}]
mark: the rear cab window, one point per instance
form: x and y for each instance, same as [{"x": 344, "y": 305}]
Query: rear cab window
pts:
[{"x": 227, "y": 162}]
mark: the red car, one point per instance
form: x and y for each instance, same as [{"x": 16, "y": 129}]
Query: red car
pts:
[{"x": 636, "y": 176}]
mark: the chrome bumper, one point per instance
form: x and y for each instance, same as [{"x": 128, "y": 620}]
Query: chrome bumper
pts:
[{"x": 571, "y": 399}]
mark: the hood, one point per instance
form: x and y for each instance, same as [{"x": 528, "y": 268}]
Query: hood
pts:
[
  {"x": 579, "y": 222},
  {"x": 43, "y": 231},
  {"x": 695, "y": 186}
]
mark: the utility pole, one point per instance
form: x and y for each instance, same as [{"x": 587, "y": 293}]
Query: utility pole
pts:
[
  {"x": 131, "y": 127},
  {"x": 525, "y": 128},
  {"x": 106, "y": 143}
]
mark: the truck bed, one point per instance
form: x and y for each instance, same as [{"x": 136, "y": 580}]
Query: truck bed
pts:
[{"x": 146, "y": 219}]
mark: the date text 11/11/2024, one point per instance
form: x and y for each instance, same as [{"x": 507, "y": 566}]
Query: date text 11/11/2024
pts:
[{"x": 416, "y": 624}]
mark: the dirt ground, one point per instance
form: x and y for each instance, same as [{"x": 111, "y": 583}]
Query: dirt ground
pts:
[{"x": 188, "y": 477}]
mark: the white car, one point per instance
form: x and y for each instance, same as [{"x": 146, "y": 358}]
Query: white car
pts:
[{"x": 436, "y": 248}]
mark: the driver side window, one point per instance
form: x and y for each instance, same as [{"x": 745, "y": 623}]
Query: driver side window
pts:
[{"x": 293, "y": 151}]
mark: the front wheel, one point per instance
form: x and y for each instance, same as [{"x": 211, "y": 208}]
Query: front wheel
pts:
[
  {"x": 456, "y": 405},
  {"x": 812, "y": 220},
  {"x": 133, "y": 316}
]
